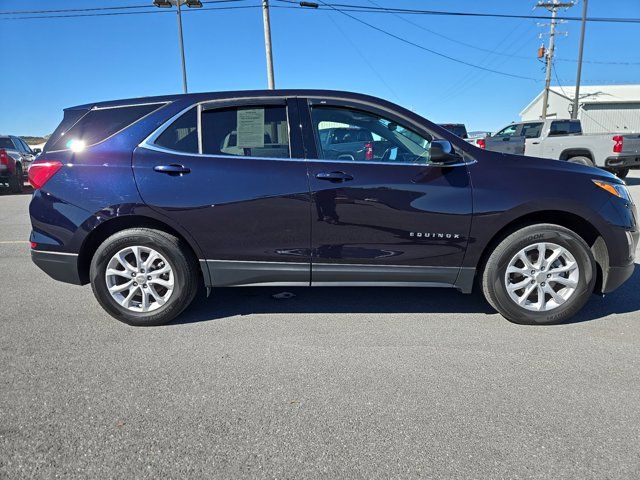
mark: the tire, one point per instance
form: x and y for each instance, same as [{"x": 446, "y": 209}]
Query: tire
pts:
[
  {"x": 16, "y": 183},
  {"x": 621, "y": 173},
  {"x": 163, "y": 303},
  {"x": 581, "y": 160},
  {"x": 556, "y": 238}
]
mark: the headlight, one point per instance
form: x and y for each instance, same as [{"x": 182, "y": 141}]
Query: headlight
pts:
[{"x": 618, "y": 189}]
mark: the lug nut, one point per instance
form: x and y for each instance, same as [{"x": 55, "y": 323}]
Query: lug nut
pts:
[
  {"x": 533, "y": 272},
  {"x": 144, "y": 285},
  {"x": 142, "y": 270},
  {"x": 133, "y": 274},
  {"x": 542, "y": 284},
  {"x": 532, "y": 282},
  {"x": 135, "y": 284},
  {"x": 548, "y": 275},
  {"x": 149, "y": 277}
]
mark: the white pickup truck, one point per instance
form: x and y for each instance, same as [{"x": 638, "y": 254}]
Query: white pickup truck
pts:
[{"x": 563, "y": 140}]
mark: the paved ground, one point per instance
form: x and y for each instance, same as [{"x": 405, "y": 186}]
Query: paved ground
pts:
[{"x": 334, "y": 383}]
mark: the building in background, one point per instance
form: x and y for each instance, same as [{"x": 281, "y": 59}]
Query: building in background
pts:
[{"x": 603, "y": 108}]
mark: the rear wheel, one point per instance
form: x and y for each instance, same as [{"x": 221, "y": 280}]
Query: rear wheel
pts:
[
  {"x": 620, "y": 172},
  {"x": 540, "y": 274},
  {"x": 582, "y": 161},
  {"x": 16, "y": 182},
  {"x": 144, "y": 277}
]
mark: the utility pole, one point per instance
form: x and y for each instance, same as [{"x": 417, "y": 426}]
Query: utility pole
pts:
[
  {"x": 553, "y": 7},
  {"x": 267, "y": 44},
  {"x": 574, "y": 112},
  {"x": 184, "y": 66},
  {"x": 178, "y": 4}
]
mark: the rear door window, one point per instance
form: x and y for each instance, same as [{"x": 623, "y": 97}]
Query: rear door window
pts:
[
  {"x": 260, "y": 131},
  {"x": 532, "y": 130},
  {"x": 181, "y": 135},
  {"x": 100, "y": 123}
]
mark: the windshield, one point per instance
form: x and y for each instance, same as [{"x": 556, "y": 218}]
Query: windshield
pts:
[{"x": 6, "y": 143}]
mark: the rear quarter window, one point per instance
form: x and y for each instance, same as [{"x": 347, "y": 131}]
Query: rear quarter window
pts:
[{"x": 99, "y": 123}]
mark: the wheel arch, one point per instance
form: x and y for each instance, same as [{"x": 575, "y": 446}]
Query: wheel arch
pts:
[
  {"x": 577, "y": 152},
  {"x": 116, "y": 224},
  {"x": 582, "y": 227}
]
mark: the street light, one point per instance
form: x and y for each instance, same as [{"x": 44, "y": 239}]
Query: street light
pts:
[{"x": 179, "y": 3}]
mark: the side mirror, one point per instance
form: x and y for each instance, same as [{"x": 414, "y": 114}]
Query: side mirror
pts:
[
  {"x": 441, "y": 151},
  {"x": 36, "y": 151}
]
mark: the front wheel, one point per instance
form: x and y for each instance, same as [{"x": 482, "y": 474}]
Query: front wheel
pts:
[
  {"x": 540, "y": 274},
  {"x": 144, "y": 277}
]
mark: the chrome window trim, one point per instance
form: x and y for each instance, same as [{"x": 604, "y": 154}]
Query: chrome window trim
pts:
[
  {"x": 149, "y": 142},
  {"x": 163, "y": 104}
]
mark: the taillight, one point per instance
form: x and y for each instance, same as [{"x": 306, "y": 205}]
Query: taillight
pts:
[
  {"x": 481, "y": 143},
  {"x": 41, "y": 172},
  {"x": 368, "y": 151},
  {"x": 4, "y": 157},
  {"x": 619, "y": 141}
]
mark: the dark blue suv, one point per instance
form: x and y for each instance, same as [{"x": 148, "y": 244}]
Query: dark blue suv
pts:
[{"x": 148, "y": 198}]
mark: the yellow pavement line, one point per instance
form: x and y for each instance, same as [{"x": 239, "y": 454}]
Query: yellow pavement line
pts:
[{"x": 13, "y": 241}]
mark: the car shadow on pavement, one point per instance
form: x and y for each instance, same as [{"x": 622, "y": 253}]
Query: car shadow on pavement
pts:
[
  {"x": 27, "y": 190},
  {"x": 624, "y": 300},
  {"x": 230, "y": 302}
]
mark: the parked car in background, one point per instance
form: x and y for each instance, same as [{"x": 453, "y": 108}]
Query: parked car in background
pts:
[
  {"x": 477, "y": 137},
  {"x": 149, "y": 197},
  {"x": 15, "y": 158},
  {"x": 458, "y": 129},
  {"x": 564, "y": 140}
]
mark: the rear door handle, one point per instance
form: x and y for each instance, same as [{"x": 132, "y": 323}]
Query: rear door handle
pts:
[
  {"x": 335, "y": 177},
  {"x": 174, "y": 169}
]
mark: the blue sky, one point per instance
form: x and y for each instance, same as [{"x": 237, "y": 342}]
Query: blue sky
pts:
[{"x": 55, "y": 63}]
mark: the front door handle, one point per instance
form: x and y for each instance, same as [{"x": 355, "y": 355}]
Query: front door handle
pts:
[
  {"x": 174, "y": 169},
  {"x": 334, "y": 177},
  {"x": 505, "y": 139}
]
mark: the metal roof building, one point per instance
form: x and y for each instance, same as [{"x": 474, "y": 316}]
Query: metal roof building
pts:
[{"x": 602, "y": 108}]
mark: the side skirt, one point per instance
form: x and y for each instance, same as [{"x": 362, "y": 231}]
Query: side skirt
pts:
[{"x": 237, "y": 273}]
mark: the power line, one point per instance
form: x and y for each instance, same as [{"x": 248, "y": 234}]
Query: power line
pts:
[
  {"x": 422, "y": 47},
  {"x": 350, "y": 7},
  {"x": 112, "y": 14},
  {"x": 97, "y": 9}
]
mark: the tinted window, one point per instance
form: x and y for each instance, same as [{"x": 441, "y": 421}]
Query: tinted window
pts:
[
  {"x": 532, "y": 130},
  {"x": 181, "y": 135},
  {"x": 27, "y": 148},
  {"x": 457, "y": 129},
  {"x": 564, "y": 127},
  {"x": 575, "y": 127},
  {"x": 507, "y": 131},
  {"x": 70, "y": 117},
  {"x": 18, "y": 145},
  {"x": 246, "y": 131},
  {"x": 372, "y": 138},
  {"x": 101, "y": 123},
  {"x": 6, "y": 143}
]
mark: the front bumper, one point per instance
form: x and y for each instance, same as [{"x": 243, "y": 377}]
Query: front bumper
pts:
[
  {"x": 59, "y": 266},
  {"x": 628, "y": 161}
]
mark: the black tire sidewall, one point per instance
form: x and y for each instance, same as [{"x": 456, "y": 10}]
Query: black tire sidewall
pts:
[
  {"x": 559, "y": 236},
  {"x": 183, "y": 286}
]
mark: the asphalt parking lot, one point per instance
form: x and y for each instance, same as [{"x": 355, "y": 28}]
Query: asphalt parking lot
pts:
[{"x": 333, "y": 383}]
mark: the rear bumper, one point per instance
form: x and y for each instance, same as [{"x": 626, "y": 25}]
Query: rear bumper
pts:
[
  {"x": 59, "y": 266},
  {"x": 630, "y": 161}
]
